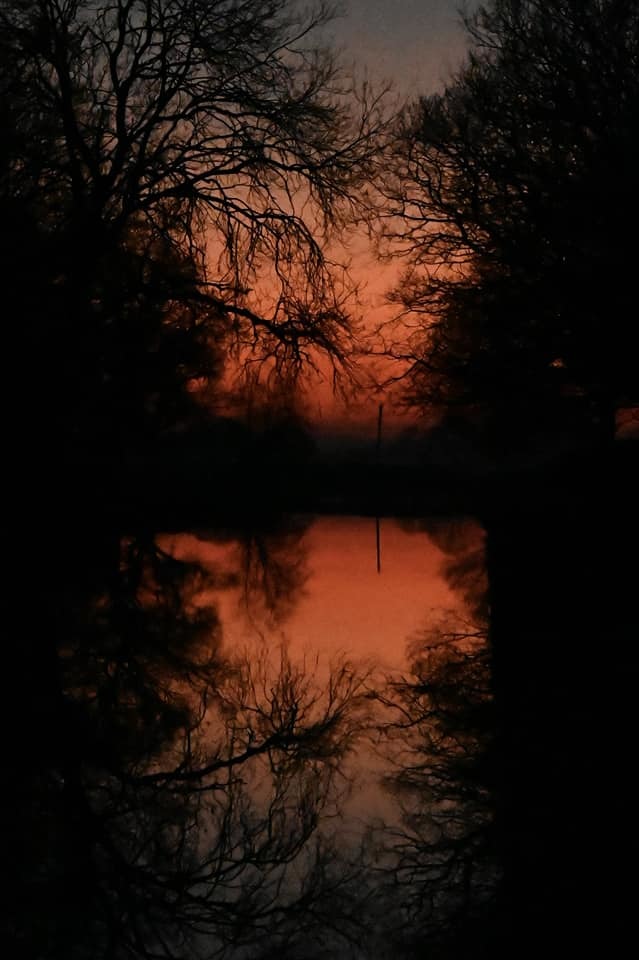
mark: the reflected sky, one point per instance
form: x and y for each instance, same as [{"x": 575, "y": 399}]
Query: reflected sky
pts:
[
  {"x": 344, "y": 606},
  {"x": 209, "y": 760}
]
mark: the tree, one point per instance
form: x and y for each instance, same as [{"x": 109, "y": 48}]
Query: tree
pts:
[
  {"x": 172, "y": 174},
  {"x": 179, "y": 799},
  {"x": 515, "y": 189}
]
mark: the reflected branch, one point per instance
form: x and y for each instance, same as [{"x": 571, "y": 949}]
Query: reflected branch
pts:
[
  {"x": 438, "y": 866},
  {"x": 184, "y": 806}
]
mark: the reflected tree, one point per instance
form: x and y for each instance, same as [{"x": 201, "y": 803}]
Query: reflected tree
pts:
[
  {"x": 436, "y": 858},
  {"x": 439, "y": 865},
  {"x": 273, "y": 571},
  {"x": 462, "y": 541},
  {"x": 179, "y": 800},
  {"x": 263, "y": 557}
]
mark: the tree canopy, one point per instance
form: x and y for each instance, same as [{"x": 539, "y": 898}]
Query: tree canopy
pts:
[
  {"x": 172, "y": 173},
  {"x": 515, "y": 192}
]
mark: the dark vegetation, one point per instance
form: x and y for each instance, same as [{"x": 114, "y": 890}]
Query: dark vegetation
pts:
[
  {"x": 172, "y": 174},
  {"x": 173, "y": 177},
  {"x": 514, "y": 190}
]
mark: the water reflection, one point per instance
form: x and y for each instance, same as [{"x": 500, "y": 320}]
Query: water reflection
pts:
[
  {"x": 173, "y": 807},
  {"x": 251, "y": 743},
  {"x": 336, "y": 603},
  {"x": 340, "y": 607},
  {"x": 190, "y": 791},
  {"x": 440, "y": 869}
]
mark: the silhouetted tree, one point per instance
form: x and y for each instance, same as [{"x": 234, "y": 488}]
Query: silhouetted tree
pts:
[
  {"x": 515, "y": 189},
  {"x": 172, "y": 173}
]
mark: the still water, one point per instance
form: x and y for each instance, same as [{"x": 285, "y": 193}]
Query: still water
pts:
[
  {"x": 252, "y": 744},
  {"x": 257, "y": 743},
  {"x": 314, "y": 585}
]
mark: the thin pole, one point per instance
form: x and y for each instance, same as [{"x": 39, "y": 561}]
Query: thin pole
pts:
[{"x": 377, "y": 458}]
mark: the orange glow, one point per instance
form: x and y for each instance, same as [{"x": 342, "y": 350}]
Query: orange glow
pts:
[{"x": 345, "y": 607}]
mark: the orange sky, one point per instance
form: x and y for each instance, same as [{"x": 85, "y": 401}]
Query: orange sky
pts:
[{"x": 414, "y": 45}]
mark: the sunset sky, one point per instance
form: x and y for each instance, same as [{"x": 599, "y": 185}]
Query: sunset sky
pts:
[{"x": 414, "y": 45}]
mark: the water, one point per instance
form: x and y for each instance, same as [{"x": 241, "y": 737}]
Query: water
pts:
[
  {"x": 223, "y": 754},
  {"x": 251, "y": 743},
  {"x": 315, "y": 587},
  {"x": 312, "y": 588}
]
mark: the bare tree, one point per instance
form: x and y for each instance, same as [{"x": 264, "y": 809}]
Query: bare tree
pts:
[{"x": 213, "y": 135}]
